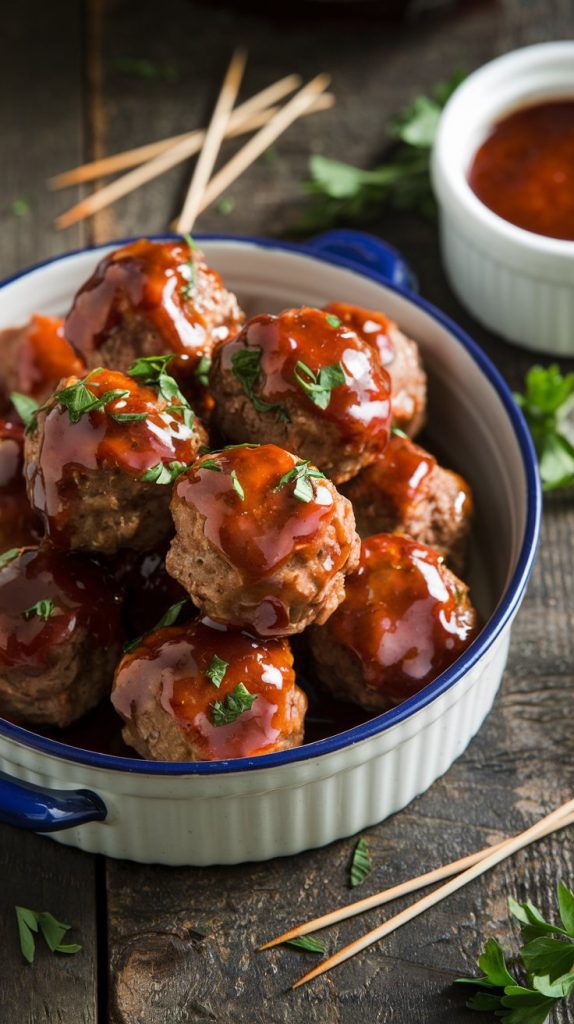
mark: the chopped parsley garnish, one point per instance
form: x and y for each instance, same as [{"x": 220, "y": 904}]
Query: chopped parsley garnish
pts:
[
  {"x": 246, "y": 367},
  {"x": 78, "y": 400},
  {"x": 7, "y": 556},
  {"x": 128, "y": 417},
  {"x": 318, "y": 387},
  {"x": 397, "y": 432},
  {"x": 53, "y": 931},
  {"x": 187, "y": 271},
  {"x": 202, "y": 371},
  {"x": 168, "y": 619},
  {"x": 42, "y": 609},
  {"x": 210, "y": 464},
  {"x": 360, "y": 864},
  {"x": 333, "y": 321},
  {"x": 152, "y": 372},
  {"x": 216, "y": 671},
  {"x": 26, "y": 408},
  {"x": 307, "y": 942},
  {"x": 164, "y": 473},
  {"x": 301, "y": 475},
  {"x": 225, "y": 711},
  {"x": 237, "y": 486}
]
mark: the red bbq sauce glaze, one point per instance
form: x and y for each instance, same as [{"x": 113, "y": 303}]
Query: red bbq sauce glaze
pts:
[
  {"x": 398, "y": 476},
  {"x": 83, "y": 598},
  {"x": 44, "y": 357},
  {"x": 372, "y": 327},
  {"x": 524, "y": 170},
  {"x": 405, "y": 616},
  {"x": 360, "y": 408},
  {"x": 18, "y": 523},
  {"x": 259, "y": 533},
  {"x": 98, "y": 441},
  {"x": 151, "y": 281},
  {"x": 170, "y": 669}
]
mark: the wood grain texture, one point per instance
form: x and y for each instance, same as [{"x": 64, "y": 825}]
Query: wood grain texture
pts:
[{"x": 41, "y": 127}]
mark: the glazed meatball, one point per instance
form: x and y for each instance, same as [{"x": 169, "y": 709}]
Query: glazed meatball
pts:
[
  {"x": 60, "y": 636},
  {"x": 263, "y": 540},
  {"x": 149, "y": 298},
  {"x": 399, "y": 355},
  {"x": 405, "y": 619},
  {"x": 408, "y": 492},
  {"x": 18, "y": 523},
  {"x": 34, "y": 358},
  {"x": 304, "y": 381},
  {"x": 194, "y": 693},
  {"x": 101, "y": 460}
]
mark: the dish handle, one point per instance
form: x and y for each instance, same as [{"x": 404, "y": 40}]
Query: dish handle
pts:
[
  {"x": 365, "y": 252},
  {"x": 31, "y": 807}
]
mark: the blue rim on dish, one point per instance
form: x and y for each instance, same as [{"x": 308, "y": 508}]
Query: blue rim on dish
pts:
[{"x": 371, "y": 258}]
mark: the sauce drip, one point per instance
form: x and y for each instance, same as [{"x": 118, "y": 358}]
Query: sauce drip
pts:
[
  {"x": 170, "y": 667},
  {"x": 44, "y": 357},
  {"x": 97, "y": 441},
  {"x": 524, "y": 170},
  {"x": 404, "y": 615},
  {"x": 18, "y": 524},
  {"x": 360, "y": 408},
  {"x": 151, "y": 282},
  {"x": 83, "y": 599}
]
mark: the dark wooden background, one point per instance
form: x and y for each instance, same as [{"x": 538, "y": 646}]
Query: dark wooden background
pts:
[{"x": 63, "y": 101}]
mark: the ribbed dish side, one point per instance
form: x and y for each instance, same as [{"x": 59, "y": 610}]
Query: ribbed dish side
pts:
[{"x": 525, "y": 310}]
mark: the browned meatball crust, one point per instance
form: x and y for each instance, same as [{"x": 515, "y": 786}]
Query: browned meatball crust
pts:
[{"x": 263, "y": 540}]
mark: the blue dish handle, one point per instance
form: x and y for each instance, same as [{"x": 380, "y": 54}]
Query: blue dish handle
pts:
[
  {"x": 365, "y": 252},
  {"x": 47, "y": 810}
]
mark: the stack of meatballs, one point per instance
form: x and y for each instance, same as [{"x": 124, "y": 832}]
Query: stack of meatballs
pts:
[{"x": 182, "y": 491}]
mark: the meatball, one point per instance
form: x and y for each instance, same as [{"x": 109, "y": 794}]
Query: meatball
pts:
[
  {"x": 60, "y": 636},
  {"x": 101, "y": 460},
  {"x": 263, "y": 540},
  {"x": 405, "y": 619},
  {"x": 35, "y": 358},
  {"x": 194, "y": 693},
  {"x": 18, "y": 523},
  {"x": 408, "y": 492},
  {"x": 305, "y": 382},
  {"x": 149, "y": 298},
  {"x": 399, "y": 355}
]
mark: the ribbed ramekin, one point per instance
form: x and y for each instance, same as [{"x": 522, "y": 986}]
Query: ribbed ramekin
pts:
[
  {"x": 255, "y": 808},
  {"x": 517, "y": 283}
]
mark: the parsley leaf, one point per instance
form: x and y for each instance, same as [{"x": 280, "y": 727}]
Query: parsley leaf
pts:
[
  {"x": 164, "y": 472},
  {"x": 225, "y": 711},
  {"x": 361, "y": 865},
  {"x": 53, "y": 931},
  {"x": 202, "y": 371},
  {"x": 318, "y": 387},
  {"x": 26, "y": 408},
  {"x": 7, "y": 556},
  {"x": 246, "y": 367},
  {"x": 187, "y": 271},
  {"x": 168, "y": 618},
  {"x": 210, "y": 464},
  {"x": 128, "y": 417},
  {"x": 344, "y": 193},
  {"x": 548, "y": 406},
  {"x": 151, "y": 371},
  {"x": 216, "y": 671},
  {"x": 78, "y": 400},
  {"x": 307, "y": 942},
  {"x": 301, "y": 475},
  {"x": 333, "y": 321},
  {"x": 42, "y": 609},
  {"x": 236, "y": 485}
]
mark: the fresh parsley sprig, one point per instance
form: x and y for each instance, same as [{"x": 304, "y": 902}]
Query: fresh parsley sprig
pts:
[
  {"x": 43, "y": 609},
  {"x": 302, "y": 476},
  {"x": 318, "y": 386},
  {"x": 548, "y": 963},
  {"x": 151, "y": 371},
  {"x": 225, "y": 711},
  {"x": 246, "y": 367},
  {"x": 344, "y": 193},
  {"x": 548, "y": 406},
  {"x": 53, "y": 932}
]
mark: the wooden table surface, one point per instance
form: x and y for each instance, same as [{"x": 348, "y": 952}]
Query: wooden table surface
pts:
[{"x": 63, "y": 101}]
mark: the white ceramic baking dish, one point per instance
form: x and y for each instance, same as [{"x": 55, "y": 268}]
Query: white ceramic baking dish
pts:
[
  {"x": 253, "y": 809},
  {"x": 517, "y": 283}
]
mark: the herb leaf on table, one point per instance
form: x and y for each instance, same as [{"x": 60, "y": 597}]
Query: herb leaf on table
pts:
[
  {"x": 344, "y": 193},
  {"x": 53, "y": 932},
  {"x": 361, "y": 865},
  {"x": 548, "y": 406},
  {"x": 546, "y": 962}
]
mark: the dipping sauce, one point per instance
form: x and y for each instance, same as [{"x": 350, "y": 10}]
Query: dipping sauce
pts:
[{"x": 524, "y": 170}]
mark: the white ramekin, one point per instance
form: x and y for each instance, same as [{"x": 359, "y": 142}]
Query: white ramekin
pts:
[
  {"x": 256, "y": 808},
  {"x": 517, "y": 283}
]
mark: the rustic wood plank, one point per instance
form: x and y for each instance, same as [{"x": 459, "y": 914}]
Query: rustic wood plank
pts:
[
  {"x": 41, "y": 83},
  {"x": 522, "y": 763}
]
